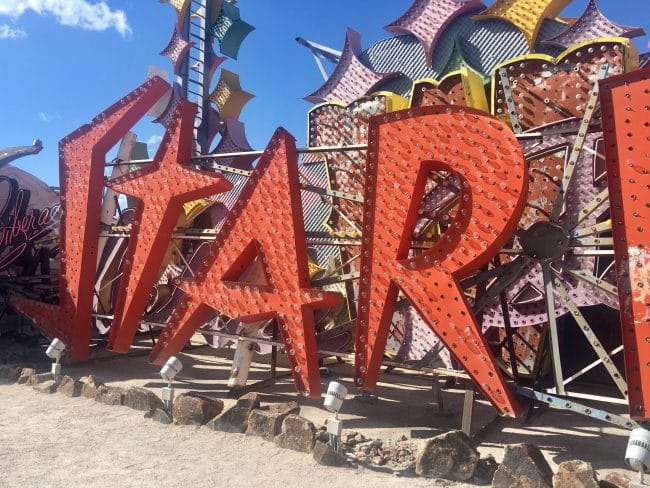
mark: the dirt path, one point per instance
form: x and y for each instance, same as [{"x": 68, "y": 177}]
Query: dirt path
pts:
[{"x": 54, "y": 441}]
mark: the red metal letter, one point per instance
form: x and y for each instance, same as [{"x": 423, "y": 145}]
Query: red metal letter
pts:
[
  {"x": 267, "y": 222},
  {"x": 82, "y": 156},
  {"x": 404, "y": 148},
  {"x": 163, "y": 188},
  {"x": 625, "y": 104}
]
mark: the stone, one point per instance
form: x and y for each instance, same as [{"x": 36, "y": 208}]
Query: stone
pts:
[
  {"x": 25, "y": 374},
  {"x": 159, "y": 415},
  {"x": 69, "y": 387},
  {"x": 450, "y": 456},
  {"x": 615, "y": 480},
  {"x": 365, "y": 449},
  {"x": 575, "y": 474},
  {"x": 523, "y": 466},
  {"x": 10, "y": 374},
  {"x": 325, "y": 455},
  {"x": 142, "y": 399},
  {"x": 110, "y": 395},
  {"x": 349, "y": 438},
  {"x": 397, "y": 455},
  {"x": 14, "y": 374},
  {"x": 485, "y": 469},
  {"x": 195, "y": 409},
  {"x": 266, "y": 422},
  {"x": 297, "y": 433},
  {"x": 35, "y": 379},
  {"x": 90, "y": 388},
  {"x": 47, "y": 386},
  {"x": 379, "y": 460},
  {"x": 235, "y": 419},
  {"x": 249, "y": 400},
  {"x": 322, "y": 435}
]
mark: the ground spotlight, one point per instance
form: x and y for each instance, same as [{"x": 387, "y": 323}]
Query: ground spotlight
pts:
[
  {"x": 55, "y": 351},
  {"x": 172, "y": 367},
  {"x": 637, "y": 454},
  {"x": 334, "y": 398}
]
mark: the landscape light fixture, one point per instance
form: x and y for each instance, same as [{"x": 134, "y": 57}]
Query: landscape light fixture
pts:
[
  {"x": 172, "y": 367},
  {"x": 334, "y": 398},
  {"x": 637, "y": 454},
  {"x": 55, "y": 351}
]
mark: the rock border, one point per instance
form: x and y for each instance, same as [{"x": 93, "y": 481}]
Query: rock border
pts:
[{"x": 281, "y": 423}]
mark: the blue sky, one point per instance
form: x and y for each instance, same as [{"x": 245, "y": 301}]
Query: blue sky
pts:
[{"x": 64, "y": 61}]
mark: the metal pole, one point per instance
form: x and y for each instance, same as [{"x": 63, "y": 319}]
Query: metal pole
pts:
[
  {"x": 205, "y": 59},
  {"x": 184, "y": 73},
  {"x": 300, "y": 150},
  {"x": 552, "y": 327}
]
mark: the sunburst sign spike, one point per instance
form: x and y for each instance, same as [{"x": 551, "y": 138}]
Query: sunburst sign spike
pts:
[
  {"x": 181, "y": 7},
  {"x": 591, "y": 25},
  {"x": 176, "y": 50},
  {"x": 526, "y": 15},
  {"x": 228, "y": 95},
  {"x": 234, "y": 140},
  {"x": 175, "y": 97},
  {"x": 350, "y": 79},
  {"x": 456, "y": 59},
  {"x": 427, "y": 19},
  {"x": 230, "y": 30}
]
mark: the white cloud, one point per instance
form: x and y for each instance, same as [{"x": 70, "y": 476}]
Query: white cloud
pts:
[
  {"x": 47, "y": 118},
  {"x": 7, "y": 32},
  {"x": 153, "y": 142},
  {"x": 96, "y": 16}
]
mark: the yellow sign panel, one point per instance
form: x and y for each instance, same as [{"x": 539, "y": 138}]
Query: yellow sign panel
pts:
[{"x": 526, "y": 15}]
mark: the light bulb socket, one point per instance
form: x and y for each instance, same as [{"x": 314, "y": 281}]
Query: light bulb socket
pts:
[
  {"x": 637, "y": 454},
  {"x": 336, "y": 394}
]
